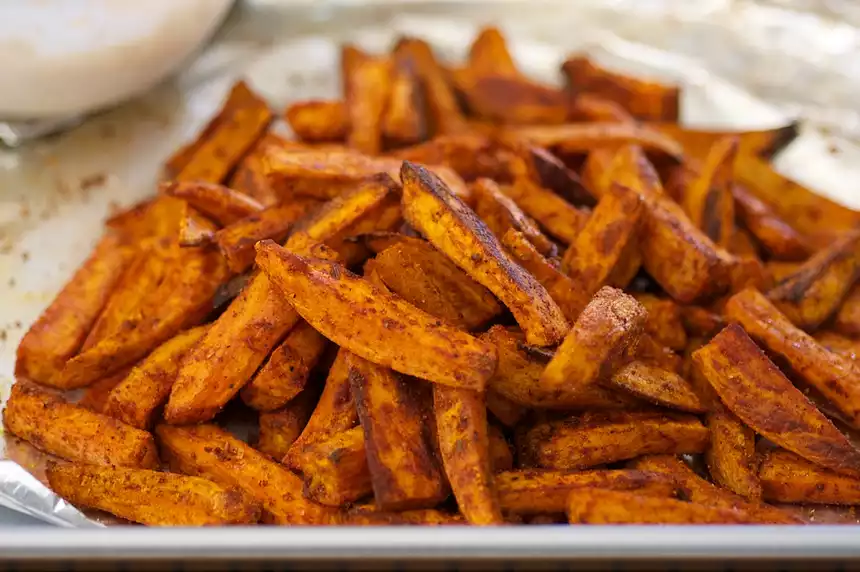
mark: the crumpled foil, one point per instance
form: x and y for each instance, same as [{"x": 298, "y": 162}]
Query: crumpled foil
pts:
[{"x": 743, "y": 65}]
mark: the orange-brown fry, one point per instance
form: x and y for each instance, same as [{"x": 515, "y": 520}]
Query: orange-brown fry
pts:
[
  {"x": 511, "y": 100},
  {"x": 846, "y": 347},
  {"x": 664, "y": 322},
  {"x": 367, "y": 87},
  {"x": 336, "y": 470},
  {"x": 590, "y": 107},
  {"x": 708, "y": 198},
  {"x": 847, "y": 319},
  {"x": 788, "y": 478},
  {"x": 731, "y": 457},
  {"x": 219, "y": 203},
  {"x": 501, "y": 456},
  {"x": 698, "y": 143},
  {"x": 318, "y": 121},
  {"x": 560, "y": 219},
  {"x": 500, "y": 213},
  {"x": 657, "y": 385},
  {"x": 96, "y": 395},
  {"x": 575, "y": 138},
  {"x": 601, "y": 506},
  {"x": 651, "y": 351},
  {"x": 280, "y": 429},
  {"x": 774, "y": 233},
  {"x": 404, "y": 121}
]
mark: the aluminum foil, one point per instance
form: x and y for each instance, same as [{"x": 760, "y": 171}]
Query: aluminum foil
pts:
[{"x": 743, "y": 65}]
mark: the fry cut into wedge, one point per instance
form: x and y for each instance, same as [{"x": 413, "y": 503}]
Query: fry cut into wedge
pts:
[
  {"x": 731, "y": 457},
  {"x": 786, "y": 477},
  {"x": 657, "y": 385},
  {"x": 776, "y": 235},
  {"x": 367, "y": 83},
  {"x": 335, "y": 470},
  {"x": 280, "y": 429},
  {"x": 501, "y": 213},
  {"x": 708, "y": 199},
  {"x": 318, "y": 120},
  {"x": 453, "y": 228},
  {"x": 149, "y": 497},
  {"x": 754, "y": 389}
]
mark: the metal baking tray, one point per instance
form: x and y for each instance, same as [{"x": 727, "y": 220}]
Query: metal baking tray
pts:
[{"x": 743, "y": 64}]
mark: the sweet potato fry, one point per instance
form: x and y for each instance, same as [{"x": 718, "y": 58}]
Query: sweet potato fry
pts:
[
  {"x": 788, "y": 478},
  {"x": 284, "y": 375},
  {"x": 832, "y": 375},
  {"x": 589, "y": 107},
  {"x": 599, "y": 506},
  {"x": 708, "y": 199},
  {"x": 150, "y": 497},
  {"x": 404, "y": 121},
  {"x": 543, "y": 168},
  {"x": 195, "y": 229},
  {"x": 595, "y": 438},
  {"x": 511, "y": 100},
  {"x": 500, "y": 213},
  {"x": 72, "y": 432},
  {"x": 651, "y": 351},
  {"x": 210, "y": 452},
  {"x": 694, "y": 488},
  {"x": 597, "y": 170},
  {"x": 656, "y": 385},
  {"x": 754, "y": 389},
  {"x": 95, "y": 396},
  {"x": 606, "y": 239},
  {"x": 280, "y": 429},
  {"x": 367, "y": 516},
  {"x": 236, "y": 241},
  {"x": 541, "y": 491},
  {"x": 698, "y": 143},
  {"x": 643, "y": 99},
  {"x": 309, "y": 282},
  {"x": 335, "y": 470},
  {"x": 471, "y": 155},
  {"x": 507, "y": 412},
  {"x": 517, "y": 378},
  {"x": 597, "y": 343},
  {"x": 402, "y": 466},
  {"x": 731, "y": 456},
  {"x": 664, "y": 322},
  {"x": 847, "y": 319},
  {"x": 501, "y": 456},
  {"x": 779, "y": 271},
  {"x": 815, "y": 291},
  {"x": 454, "y": 229},
  {"x": 367, "y": 88},
  {"x": 59, "y": 333},
  {"x": 335, "y": 412},
  {"x": 699, "y": 321},
  {"x": 569, "y": 295},
  {"x": 146, "y": 388},
  {"x": 489, "y": 54},
  {"x": 560, "y": 219},
  {"x": 223, "y": 144},
  {"x": 573, "y": 138},
  {"x": 776, "y": 235},
  {"x": 428, "y": 279},
  {"x": 461, "y": 422},
  {"x": 318, "y": 121},
  {"x": 219, "y": 203},
  {"x": 846, "y": 347}
]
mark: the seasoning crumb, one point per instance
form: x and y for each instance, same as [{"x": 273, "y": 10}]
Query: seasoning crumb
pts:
[
  {"x": 94, "y": 180},
  {"x": 25, "y": 256}
]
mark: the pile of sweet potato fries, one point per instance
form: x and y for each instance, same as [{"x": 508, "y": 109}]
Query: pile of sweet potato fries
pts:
[{"x": 496, "y": 302}]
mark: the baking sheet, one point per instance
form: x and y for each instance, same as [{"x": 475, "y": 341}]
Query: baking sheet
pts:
[{"x": 55, "y": 193}]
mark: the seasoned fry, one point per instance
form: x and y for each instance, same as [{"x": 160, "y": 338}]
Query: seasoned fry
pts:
[
  {"x": 149, "y": 497},
  {"x": 404, "y": 121},
  {"x": 599, "y": 506},
  {"x": 598, "y": 341},
  {"x": 786, "y": 477},
  {"x": 650, "y": 351},
  {"x": 595, "y": 438},
  {"x": 643, "y": 99},
  {"x": 814, "y": 292},
  {"x": 846, "y": 347},
  {"x": 731, "y": 456},
  {"x": 286, "y": 371},
  {"x": 657, "y": 385},
  {"x": 425, "y": 277},
  {"x": 461, "y": 422},
  {"x": 829, "y": 373},
  {"x": 500, "y": 213},
  {"x": 367, "y": 86},
  {"x": 58, "y": 334},
  {"x": 501, "y": 456},
  {"x": 280, "y": 429},
  {"x": 754, "y": 389},
  {"x": 219, "y": 203},
  {"x": 700, "y": 321},
  {"x": 370, "y": 516},
  {"x": 847, "y": 319},
  {"x": 776, "y": 235},
  {"x": 95, "y": 396},
  {"x": 249, "y": 176},
  {"x": 402, "y": 466},
  {"x": 541, "y": 491},
  {"x": 454, "y": 229},
  {"x": 597, "y": 170},
  {"x": 144, "y": 391},
  {"x": 588, "y": 107},
  {"x": 195, "y": 229},
  {"x": 318, "y": 121},
  {"x": 212, "y": 453},
  {"x": 697, "y": 143},
  {"x": 72, "y": 432},
  {"x": 506, "y": 411},
  {"x": 514, "y": 100},
  {"x": 664, "y": 322},
  {"x": 471, "y": 155},
  {"x": 489, "y": 55},
  {"x": 708, "y": 199},
  {"x": 573, "y": 138},
  {"x": 557, "y": 216},
  {"x": 335, "y": 470}
]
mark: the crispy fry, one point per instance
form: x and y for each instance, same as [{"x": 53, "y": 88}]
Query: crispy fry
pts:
[
  {"x": 815, "y": 291},
  {"x": 471, "y": 155},
  {"x": 318, "y": 120},
  {"x": 696, "y": 489},
  {"x": 776, "y": 235},
  {"x": 599, "y": 506},
  {"x": 542, "y": 167},
  {"x": 489, "y": 54},
  {"x": 697, "y": 143},
  {"x": 708, "y": 199},
  {"x": 612, "y": 229},
  {"x": 335, "y": 470},
  {"x": 573, "y": 138},
  {"x": 367, "y": 87},
  {"x": 287, "y": 369},
  {"x": 743, "y": 244},
  {"x": 846, "y": 347},
  {"x": 58, "y": 334},
  {"x": 847, "y": 319},
  {"x": 72, "y": 432},
  {"x": 829, "y": 373},
  {"x": 500, "y": 213},
  {"x": 249, "y": 176},
  {"x": 511, "y": 100},
  {"x": 657, "y": 385},
  {"x": 195, "y": 229},
  {"x": 362, "y": 516},
  {"x": 589, "y": 107},
  {"x": 280, "y": 429},
  {"x": 402, "y": 466},
  {"x": 595, "y": 438},
  {"x": 597, "y": 170},
  {"x": 786, "y": 477},
  {"x": 404, "y": 121},
  {"x": 221, "y": 204},
  {"x": 210, "y": 452},
  {"x": 651, "y": 351},
  {"x": 561, "y": 219},
  {"x": 149, "y": 497},
  {"x": 731, "y": 456},
  {"x": 461, "y": 421},
  {"x": 426, "y": 278},
  {"x": 501, "y": 456},
  {"x": 506, "y": 411},
  {"x": 779, "y": 271},
  {"x": 700, "y": 321},
  {"x": 664, "y": 322},
  {"x": 542, "y": 491},
  {"x": 95, "y": 396},
  {"x": 517, "y": 378},
  {"x": 454, "y": 229},
  {"x": 144, "y": 391},
  {"x": 223, "y": 144},
  {"x": 597, "y": 343},
  {"x": 643, "y": 99},
  {"x": 754, "y": 389}
]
